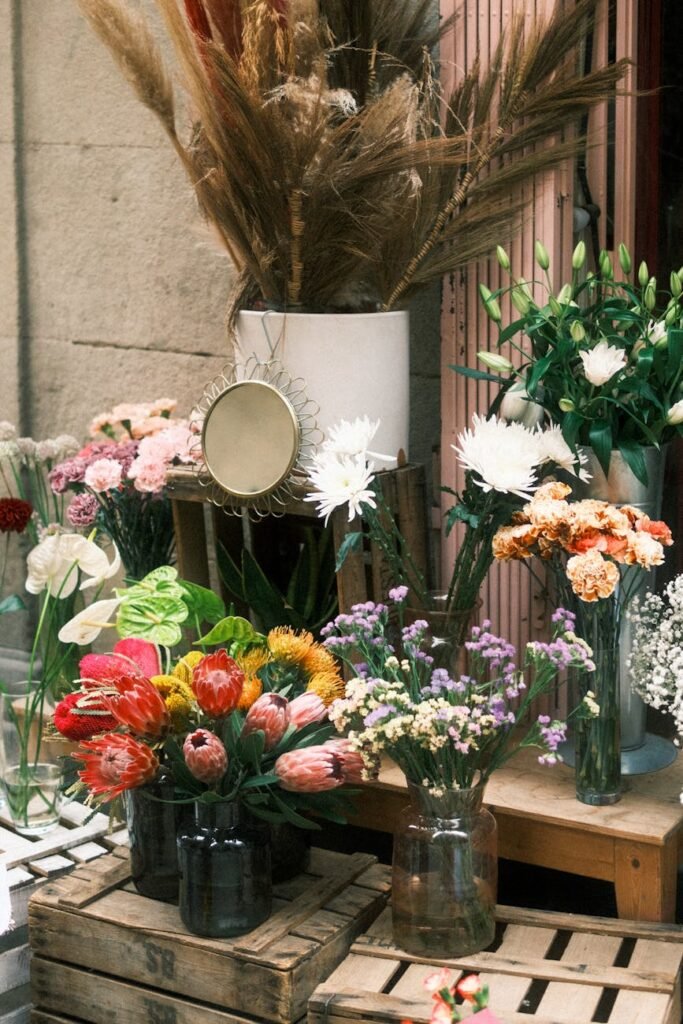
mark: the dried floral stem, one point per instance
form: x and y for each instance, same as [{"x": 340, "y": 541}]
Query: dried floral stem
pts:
[{"x": 297, "y": 265}]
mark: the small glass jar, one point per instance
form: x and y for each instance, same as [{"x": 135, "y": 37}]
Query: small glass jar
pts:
[
  {"x": 445, "y": 873},
  {"x": 225, "y": 873},
  {"x": 153, "y": 822}
]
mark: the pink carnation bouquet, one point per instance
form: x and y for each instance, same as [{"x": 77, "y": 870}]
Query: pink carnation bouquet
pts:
[{"x": 118, "y": 480}]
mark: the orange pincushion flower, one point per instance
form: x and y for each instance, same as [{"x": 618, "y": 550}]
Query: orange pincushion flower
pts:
[
  {"x": 251, "y": 691},
  {"x": 592, "y": 577},
  {"x": 183, "y": 670},
  {"x": 319, "y": 659},
  {"x": 251, "y": 662},
  {"x": 286, "y": 644},
  {"x": 117, "y": 762},
  {"x": 515, "y": 541},
  {"x": 329, "y": 686}
]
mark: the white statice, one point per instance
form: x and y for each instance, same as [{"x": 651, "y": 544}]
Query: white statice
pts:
[
  {"x": 502, "y": 456},
  {"x": 85, "y": 627},
  {"x": 354, "y": 437},
  {"x": 341, "y": 481},
  {"x": 553, "y": 448},
  {"x": 601, "y": 363}
]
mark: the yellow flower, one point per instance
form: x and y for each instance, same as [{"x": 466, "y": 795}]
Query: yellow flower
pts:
[
  {"x": 285, "y": 644},
  {"x": 318, "y": 659},
  {"x": 178, "y": 698},
  {"x": 250, "y": 662},
  {"x": 251, "y": 691},
  {"x": 183, "y": 670},
  {"x": 329, "y": 685}
]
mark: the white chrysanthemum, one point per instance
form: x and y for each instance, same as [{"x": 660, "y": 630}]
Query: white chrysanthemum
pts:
[
  {"x": 350, "y": 438},
  {"x": 601, "y": 363},
  {"x": 85, "y": 627},
  {"x": 554, "y": 448},
  {"x": 340, "y": 482},
  {"x": 502, "y": 456}
]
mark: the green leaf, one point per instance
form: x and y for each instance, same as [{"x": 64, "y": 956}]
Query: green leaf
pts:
[
  {"x": 600, "y": 435},
  {"x": 646, "y": 358},
  {"x": 260, "y": 780},
  {"x": 303, "y": 583},
  {"x": 466, "y": 371},
  {"x": 152, "y": 618},
  {"x": 675, "y": 350},
  {"x": 264, "y": 598},
  {"x": 289, "y": 812},
  {"x": 352, "y": 542},
  {"x": 11, "y": 603},
  {"x": 538, "y": 371},
  {"x": 509, "y": 332},
  {"x": 207, "y": 606},
  {"x": 230, "y": 573},
  {"x": 633, "y": 454},
  {"x": 232, "y": 629},
  {"x": 250, "y": 748}
]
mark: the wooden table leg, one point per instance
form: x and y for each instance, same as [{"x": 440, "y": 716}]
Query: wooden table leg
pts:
[
  {"x": 190, "y": 536},
  {"x": 645, "y": 878}
]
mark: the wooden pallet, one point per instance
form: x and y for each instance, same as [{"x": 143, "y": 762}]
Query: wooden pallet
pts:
[
  {"x": 30, "y": 863},
  {"x": 547, "y": 968},
  {"x": 102, "y": 952}
]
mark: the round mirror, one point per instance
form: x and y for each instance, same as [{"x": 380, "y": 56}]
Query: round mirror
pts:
[{"x": 250, "y": 439}]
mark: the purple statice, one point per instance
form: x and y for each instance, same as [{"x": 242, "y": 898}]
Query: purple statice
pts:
[
  {"x": 565, "y": 619},
  {"x": 562, "y": 653},
  {"x": 552, "y": 734},
  {"x": 398, "y": 594},
  {"x": 378, "y": 714},
  {"x": 441, "y": 684},
  {"x": 495, "y": 650},
  {"x": 82, "y": 510}
]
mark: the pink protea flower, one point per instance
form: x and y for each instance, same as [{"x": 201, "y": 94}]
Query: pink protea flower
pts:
[
  {"x": 305, "y": 709},
  {"x": 103, "y": 475},
  {"x": 205, "y": 756},
  {"x": 115, "y": 762},
  {"x": 354, "y": 768},
  {"x": 269, "y": 714},
  {"x": 217, "y": 683},
  {"x": 138, "y": 704},
  {"x": 309, "y": 770}
]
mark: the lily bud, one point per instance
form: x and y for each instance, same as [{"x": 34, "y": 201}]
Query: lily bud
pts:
[
  {"x": 520, "y": 301},
  {"x": 672, "y": 315},
  {"x": 555, "y": 306},
  {"x": 650, "y": 296},
  {"x": 662, "y": 342},
  {"x": 605, "y": 264},
  {"x": 577, "y": 330},
  {"x": 564, "y": 296},
  {"x": 625, "y": 259},
  {"x": 579, "y": 256},
  {"x": 675, "y": 284},
  {"x": 566, "y": 405},
  {"x": 675, "y": 414},
  {"x": 502, "y": 257},
  {"x": 490, "y": 304},
  {"x": 495, "y": 361},
  {"x": 541, "y": 254},
  {"x": 643, "y": 274}
]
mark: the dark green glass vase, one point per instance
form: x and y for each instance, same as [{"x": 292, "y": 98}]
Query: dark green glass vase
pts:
[
  {"x": 225, "y": 872},
  {"x": 152, "y": 830}
]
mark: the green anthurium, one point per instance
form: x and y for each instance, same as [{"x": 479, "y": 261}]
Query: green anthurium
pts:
[
  {"x": 233, "y": 630},
  {"x": 160, "y": 582},
  {"x": 152, "y": 617}
]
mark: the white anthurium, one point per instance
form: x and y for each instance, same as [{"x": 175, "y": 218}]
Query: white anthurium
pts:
[
  {"x": 350, "y": 438},
  {"x": 338, "y": 482},
  {"x": 104, "y": 573},
  {"x": 55, "y": 561},
  {"x": 501, "y": 456},
  {"x": 85, "y": 627},
  {"x": 601, "y": 363},
  {"x": 554, "y": 448},
  {"x": 518, "y": 407}
]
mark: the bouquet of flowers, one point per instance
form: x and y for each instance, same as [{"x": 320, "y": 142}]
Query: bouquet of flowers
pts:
[
  {"x": 504, "y": 463},
  {"x": 445, "y": 733},
  {"x": 605, "y": 358},
  {"x": 656, "y": 661},
  {"x": 119, "y": 477}
]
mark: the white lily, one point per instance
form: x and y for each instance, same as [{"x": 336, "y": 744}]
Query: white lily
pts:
[
  {"x": 88, "y": 624},
  {"x": 518, "y": 407},
  {"x": 601, "y": 363},
  {"x": 340, "y": 482},
  {"x": 350, "y": 438},
  {"x": 502, "y": 456}
]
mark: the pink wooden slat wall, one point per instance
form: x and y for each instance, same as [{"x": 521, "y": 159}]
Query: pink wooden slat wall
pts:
[{"x": 515, "y": 606}]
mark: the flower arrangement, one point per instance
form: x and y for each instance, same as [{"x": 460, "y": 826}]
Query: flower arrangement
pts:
[
  {"x": 656, "y": 662},
  {"x": 445, "y": 733},
  {"x": 118, "y": 480},
  {"x": 504, "y": 464},
  {"x": 444, "y": 992},
  {"x": 319, "y": 154},
  {"x": 605, "y": 359}
]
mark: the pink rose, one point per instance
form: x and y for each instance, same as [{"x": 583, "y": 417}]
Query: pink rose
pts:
[{"x": 104, "y": 475}]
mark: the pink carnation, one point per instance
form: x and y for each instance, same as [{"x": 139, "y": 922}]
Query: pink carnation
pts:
[
  {"x": 71, "y": 471},
  {"x": 104, "y": 475},
  {"x": 150, "y": 477},
  {"x": 150, "y": 425},
  {"x": 82, "y": 510}
]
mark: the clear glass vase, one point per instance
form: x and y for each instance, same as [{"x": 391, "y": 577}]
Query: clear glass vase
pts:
[
  {"x": 225, "y": 872},
  {"x": 449, "y": 627},
  {"x": 31, "y": 774},
  {"x": 598, "y": 756},
  {"x": 445, "y": 873}
]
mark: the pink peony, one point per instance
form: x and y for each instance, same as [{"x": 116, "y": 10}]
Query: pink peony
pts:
[
  {"x": 310, "y": 770},
  {"x": 205, "y": 756},
  {"x": 82, "y": 510},
  {"x": 104, "y": 475},
  {"x": 269, "y": 714},
  {"x": 306, "y": 709}
]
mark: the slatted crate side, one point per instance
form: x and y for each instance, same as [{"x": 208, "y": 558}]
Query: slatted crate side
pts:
[
  {"x": 559, "y": 968},
  {"x": 93, "y": 921}
]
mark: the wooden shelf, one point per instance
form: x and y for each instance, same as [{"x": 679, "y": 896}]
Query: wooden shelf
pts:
[{"x": 636, "y": 844}]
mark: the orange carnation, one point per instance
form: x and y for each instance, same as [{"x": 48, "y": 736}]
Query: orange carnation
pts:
[
  {"x": 592, "y": 577},
  {"x": 514, "y": 541}
]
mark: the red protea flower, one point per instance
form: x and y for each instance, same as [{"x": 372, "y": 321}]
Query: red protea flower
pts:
[
  {"x": 269, "y": 714},
  {"x": 305, "y": 709},
  {"x": 14, "y": 515},
  {"x": 309, "y": 770},
  {"x": 138, "y": 704},
  {"x": 205, "y": 756},
  {"x": 78, "y": 716},
  {"x": 354, "y": 768},
  {"x": 117, "y": 762},
  {"x": 217, "y": 683}
]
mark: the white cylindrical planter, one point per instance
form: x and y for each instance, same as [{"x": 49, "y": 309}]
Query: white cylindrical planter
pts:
[{"x": 353, "y": 364}]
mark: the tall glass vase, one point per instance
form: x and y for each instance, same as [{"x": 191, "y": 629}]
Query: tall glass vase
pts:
[
  {"x": 598, "y": 755},
  {"x": 444, "y": 875},
  {"x": 30, "y": 775}
]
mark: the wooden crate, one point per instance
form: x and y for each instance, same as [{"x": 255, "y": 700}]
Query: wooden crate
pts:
[
  {"x": 103, "y": 953},
  {"x": 547, "y": 968},
  {"x": 30, "y": 863}
]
